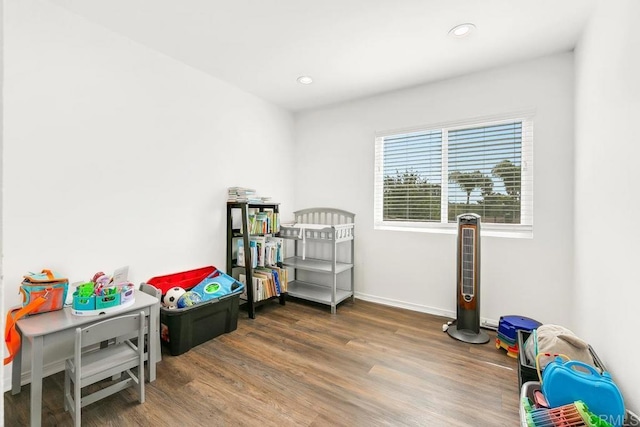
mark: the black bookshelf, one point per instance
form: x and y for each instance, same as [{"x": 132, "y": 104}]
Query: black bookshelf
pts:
[{"x": 245, "y": 234}]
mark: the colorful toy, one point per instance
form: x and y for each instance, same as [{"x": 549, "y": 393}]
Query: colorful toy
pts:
[
  {"x": 512, "y": 349},
  {"x": 216, "y": 287},
  {"x": 509, "y": 325},
  {"x": 189, "y": 299},
  {"x": 172, "y": 296},
  {"x": 95, "y": 276},
  {"x": 508, "y": 328},
  {"x": 575, "y": 414},
  {"x": 85, "y": 290},
  {"x": 565, "y": 382}
]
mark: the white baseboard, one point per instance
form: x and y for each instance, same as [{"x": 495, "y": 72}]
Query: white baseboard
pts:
[
  {"x": 484, "y": 322},
  {"x": 406, "y": 305},
  {"x": 25, "y": 378}
]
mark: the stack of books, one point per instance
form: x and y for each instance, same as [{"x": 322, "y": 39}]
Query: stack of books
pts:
[
  {"x": 242, "y": 195},
  {"x": 268, "y": 282}
]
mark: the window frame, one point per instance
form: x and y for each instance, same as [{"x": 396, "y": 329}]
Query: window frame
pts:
[{"x": 522, "y": 230}]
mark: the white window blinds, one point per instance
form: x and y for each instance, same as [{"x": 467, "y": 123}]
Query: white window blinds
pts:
[
  {"x": 426, "y": 178},
  {"x": 412, "y": 176}
]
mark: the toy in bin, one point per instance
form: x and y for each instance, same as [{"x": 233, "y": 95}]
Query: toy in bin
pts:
[
  {"x": 535, "y": 411},
  {"x": 564, "y": 382},
  {"x": 215, "y": 287},
  {"x": 189, "y": 299},
  {"x": 574, "y": 414},
  {"x": 172, "y": 296}
]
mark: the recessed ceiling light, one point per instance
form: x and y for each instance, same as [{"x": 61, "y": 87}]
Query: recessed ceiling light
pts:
[
  {"x": 461, "y": 30},
  {"x": 305, "y": 80}
]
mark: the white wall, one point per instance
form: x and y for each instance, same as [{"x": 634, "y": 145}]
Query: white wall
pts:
[
  {"x": 530, "y": 277},
  {"x": 117, "y": 155},
  {"x": 606, "y": 195}
]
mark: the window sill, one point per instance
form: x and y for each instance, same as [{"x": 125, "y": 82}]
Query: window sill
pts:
[{"x": 487, "y": 230}]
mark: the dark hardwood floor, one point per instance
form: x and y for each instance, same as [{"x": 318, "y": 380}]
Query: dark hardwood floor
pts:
[{"x": 297, "y": 365}]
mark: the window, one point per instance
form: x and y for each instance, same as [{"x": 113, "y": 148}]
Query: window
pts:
[{"x": 426, "y": 177}]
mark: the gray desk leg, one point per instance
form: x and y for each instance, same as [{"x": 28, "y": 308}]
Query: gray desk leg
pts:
[
  {"x": 16, "y": 372},
  {"x": 36, "y": 381},
  {"x": 154, "y": 341},
  {"x": 157, "y": 339}
]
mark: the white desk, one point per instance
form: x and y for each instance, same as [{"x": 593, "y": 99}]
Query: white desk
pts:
[{"x": 56, "y": 327}]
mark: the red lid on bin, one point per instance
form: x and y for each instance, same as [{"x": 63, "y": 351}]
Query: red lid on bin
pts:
[{"x": 184, "y": 279}]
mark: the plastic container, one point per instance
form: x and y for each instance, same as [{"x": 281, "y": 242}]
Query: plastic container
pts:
[
  {"x": 127, "y": 293},
  {"x": 527, "y": 391},
  {"x": 107, "y": 301},
  {"x": 509, "y": 325},
  {"x": 565, "y": 382},
  {"x": 184, "y": 328},
  {"x": 575, "y": 414},
  {"x": 83, "y": 303}
]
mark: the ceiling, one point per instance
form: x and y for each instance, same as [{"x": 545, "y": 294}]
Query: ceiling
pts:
[{"x": 351, "y": 48}]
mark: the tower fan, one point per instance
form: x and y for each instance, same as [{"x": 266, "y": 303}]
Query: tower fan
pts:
[{"x": 467, "y": 326}]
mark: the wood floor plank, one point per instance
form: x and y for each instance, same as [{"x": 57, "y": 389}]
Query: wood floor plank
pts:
[{"x": 298, "y": 365}]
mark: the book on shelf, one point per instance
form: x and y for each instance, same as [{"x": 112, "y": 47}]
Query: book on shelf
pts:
[
  {"x": 282, "y": 277},
  {"x": 241, "y": 253},
  {"x": 266, "y": 222},
  {"x": 274, "y": 250},
  {"x": 275, "y": 283},
  {"x": 260, "y": 247},
  {"x": 240, "y": 261},
  {"x": 267, "y": 276},
  {"x": 259, "y": 222},
  {"x": 257, "y": 288},
  {"x": 276, "y": 279},
  {"x": 267, "y": 282}
]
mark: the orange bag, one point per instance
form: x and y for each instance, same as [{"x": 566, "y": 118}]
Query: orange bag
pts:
[
  {"x": 46, "y": 283},
  {"x": 41, "y": 292},
  {"x": 11, "y": 336}
]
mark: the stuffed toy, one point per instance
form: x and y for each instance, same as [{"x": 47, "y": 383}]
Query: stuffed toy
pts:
[{"x": 556, "y": 339}]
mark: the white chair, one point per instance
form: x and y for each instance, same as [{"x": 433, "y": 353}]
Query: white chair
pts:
[{"x": 93, "y": 362}]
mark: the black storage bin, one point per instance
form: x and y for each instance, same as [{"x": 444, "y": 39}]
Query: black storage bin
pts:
[
  {"x": 527, "y": 370},
  {"x": 184, "y": 328}
]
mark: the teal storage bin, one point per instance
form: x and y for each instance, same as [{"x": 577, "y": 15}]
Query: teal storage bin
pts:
[
  {"x": 83, "y": 303},
  {"x": 106, "y": 301}
]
